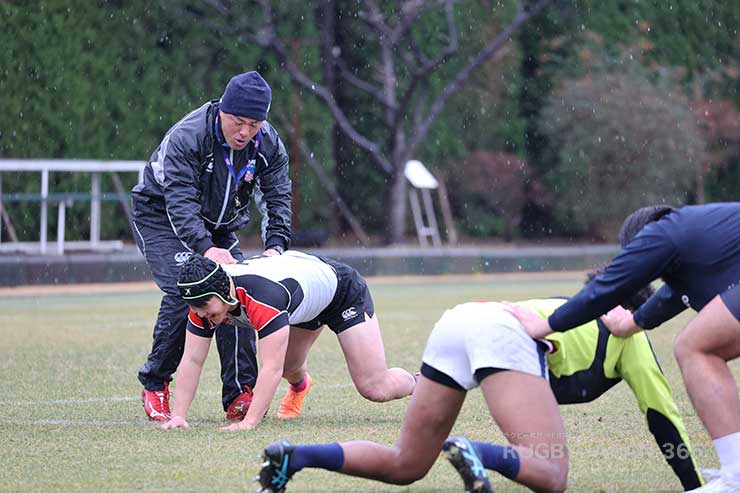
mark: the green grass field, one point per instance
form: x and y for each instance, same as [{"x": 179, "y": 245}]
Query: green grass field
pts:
[{"x": 70, "y": 417}]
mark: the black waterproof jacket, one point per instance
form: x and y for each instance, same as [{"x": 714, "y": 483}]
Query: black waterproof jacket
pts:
[{"x": 188, "y": 187}]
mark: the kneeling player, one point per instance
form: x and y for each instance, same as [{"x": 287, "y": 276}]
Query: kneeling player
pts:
[{"x": 287, "y": 299}]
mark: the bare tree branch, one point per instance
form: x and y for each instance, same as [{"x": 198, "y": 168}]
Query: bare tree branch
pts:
[
  {"x": 410, "y": 11},
  {"x": 363, "y": 85},
  {"x": 268, "y": 39},
  {"x": 526, "y": 11},
  {"x": 8, "y": 223},
  {"x": 423, "y": 72},
  {"x": 388, "y": 69},
  {"x": 419, "y": 56},
  {"x": 452, "y": 45},
  {"x": 375, "y": 20},
  {"x": 420, "y": 104},
  {"x": 330, "y": 188},
  {"x": 220, "y": 7},
  {"x": 408, "y": 119}
]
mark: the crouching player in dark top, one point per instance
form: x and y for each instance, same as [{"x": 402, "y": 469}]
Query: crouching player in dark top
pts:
[
  {"x": 695, "y": 250},
  {"x": 287, "y": 299},
  {"x": 481, "y": 344}
]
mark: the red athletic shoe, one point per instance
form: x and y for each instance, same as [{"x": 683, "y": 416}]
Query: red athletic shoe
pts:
[
  {"x": 157, "y": 403},
  {"x": 239, "y": 406}
]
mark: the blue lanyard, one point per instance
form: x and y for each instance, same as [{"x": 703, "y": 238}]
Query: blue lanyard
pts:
[{"x": 247, "y": 172}]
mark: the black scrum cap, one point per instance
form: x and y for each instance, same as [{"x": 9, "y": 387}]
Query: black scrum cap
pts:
[{"x": 201, "y": 277}]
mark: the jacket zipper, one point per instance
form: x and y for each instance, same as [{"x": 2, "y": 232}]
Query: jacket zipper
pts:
[{"x": 226, "y": 194}]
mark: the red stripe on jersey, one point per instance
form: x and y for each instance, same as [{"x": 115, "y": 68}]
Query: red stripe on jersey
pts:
[
  {"x": 259, "y": 313},
  {"x": 196, "y": 320}
]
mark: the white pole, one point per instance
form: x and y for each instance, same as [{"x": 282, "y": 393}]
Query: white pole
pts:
[
  {"x": 60, "y": 227},
  {"x": 95, "y": 211},
  {"x": 44, "y": 208},
  {"x": 1, "y": 207}
]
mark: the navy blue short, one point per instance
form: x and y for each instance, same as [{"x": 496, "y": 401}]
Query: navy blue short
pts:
[{"x": 731, "y": 299}]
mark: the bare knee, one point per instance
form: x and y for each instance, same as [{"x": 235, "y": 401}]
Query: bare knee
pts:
[
  {"x": 404, "y": 478},
  {"x": 556, "y": 479},
  {"x": 375, "y": 389},
  {"x": 683, "y": 349},
  {"x": 559, "y": 478},
  {"x": 373, "y": 393},
  {"x": 385, "y": 385},
  {"x": 405, "y": 472}
]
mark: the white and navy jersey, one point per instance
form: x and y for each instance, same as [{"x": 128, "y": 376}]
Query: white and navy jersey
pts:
[{"x": 275, "y": 291}]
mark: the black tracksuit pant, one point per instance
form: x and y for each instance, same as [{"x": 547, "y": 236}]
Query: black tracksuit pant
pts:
[{"x": 165, "y": 254}]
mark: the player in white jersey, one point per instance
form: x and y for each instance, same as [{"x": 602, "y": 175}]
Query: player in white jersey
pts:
[
  {"x": 286, "y": 299},
  {"x": 472, "y": 345}
]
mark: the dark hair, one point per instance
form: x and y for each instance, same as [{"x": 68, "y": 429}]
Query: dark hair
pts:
[
  {"x": 635, "y": 300},
  {"x": 634, "y": 223},
  {"x": 201, "y": 278}
]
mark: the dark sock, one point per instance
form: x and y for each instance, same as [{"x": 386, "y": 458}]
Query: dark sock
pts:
[
  {"x": 300, "y": 385},
  {"x": 504, "y": 460},
  {"x": 329, "y": 456}
]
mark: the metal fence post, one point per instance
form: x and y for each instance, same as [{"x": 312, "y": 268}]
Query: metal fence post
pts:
[
  {"x": 95, "y": 211},
  {"x": 1, "y": 207},
  {"x": 44, "y": 209},
  {"x": 61, "y": 216}
]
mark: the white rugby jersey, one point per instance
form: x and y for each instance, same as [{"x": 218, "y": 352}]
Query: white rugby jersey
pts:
[{"x": 275, "y": 291}]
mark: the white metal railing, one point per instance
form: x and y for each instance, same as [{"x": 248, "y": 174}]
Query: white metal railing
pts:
[{"x": 64, "y": 200}]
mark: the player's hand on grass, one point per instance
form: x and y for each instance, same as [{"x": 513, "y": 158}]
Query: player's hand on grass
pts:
[
  {"x": 536, "y": 326},
  {"x": 220, "y": 255},
  {"x": 620, "y": 322},
  {"x": 174, "y": 423},
  {"x": 241, "y": 425}
]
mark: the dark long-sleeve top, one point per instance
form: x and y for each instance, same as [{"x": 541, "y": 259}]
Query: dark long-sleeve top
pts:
[{"x": 695, "y": 250}]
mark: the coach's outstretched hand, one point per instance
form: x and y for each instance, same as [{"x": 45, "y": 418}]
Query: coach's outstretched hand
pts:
[
  {"x": 536, "y": 326},
  {"x": 174, "y": 423}
]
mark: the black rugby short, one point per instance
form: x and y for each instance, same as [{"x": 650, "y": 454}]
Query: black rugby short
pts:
[{"x": 350, "y": 303}]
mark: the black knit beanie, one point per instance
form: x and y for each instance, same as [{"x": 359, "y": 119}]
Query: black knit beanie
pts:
[{"x": 247, "y": 95}]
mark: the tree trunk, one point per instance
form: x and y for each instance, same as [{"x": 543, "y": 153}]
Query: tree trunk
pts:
[
  {"x": 396, "y": 45},
  {"x": 397, "y": 192},
  {"x": 326, "y": 17}
]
